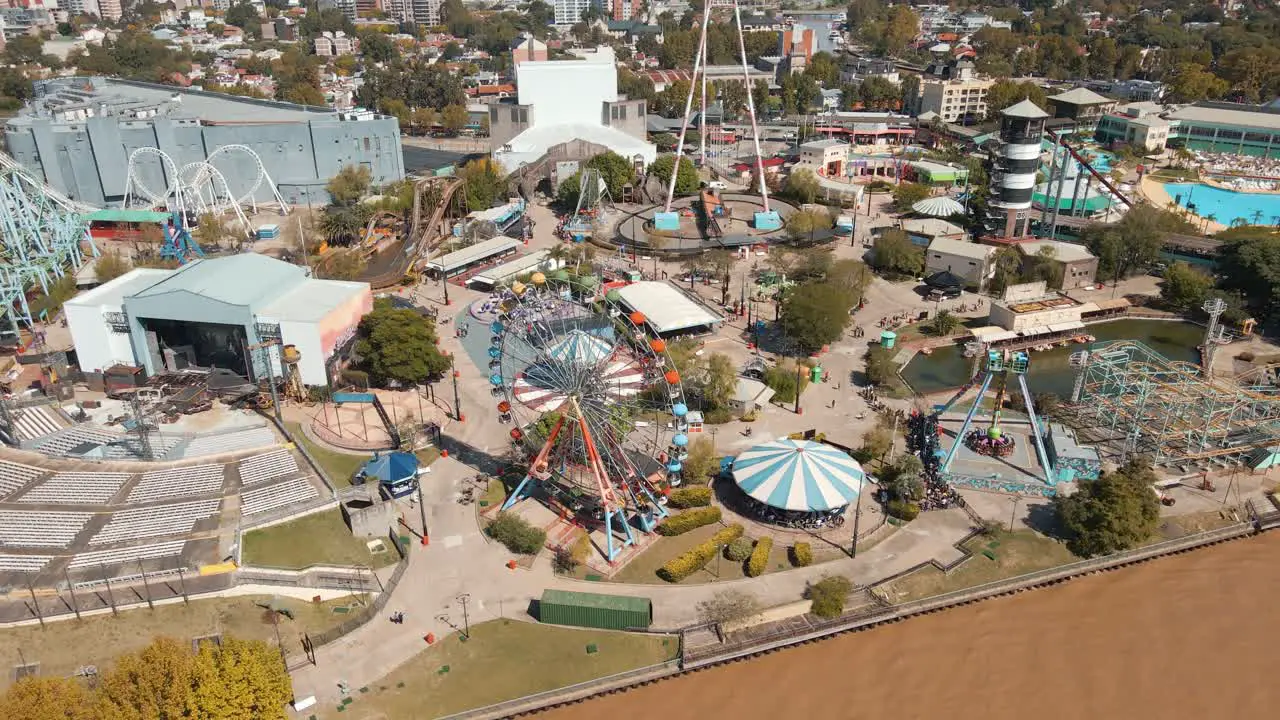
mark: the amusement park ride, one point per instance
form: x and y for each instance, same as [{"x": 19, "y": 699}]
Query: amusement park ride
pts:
[
  {"x": 992, "y": 441},
  {"x": 764, "y": 219},
  {"x": 593, "y": 197},
  {"x": 596, "y": 405},
  {"x": 42, "y": 237}
]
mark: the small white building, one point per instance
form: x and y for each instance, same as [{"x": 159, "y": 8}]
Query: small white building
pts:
[
  {"x": 824, "y": 157},
  {"x": 750, "y": 395},
  {"x": 668, "y": 311},
  {"x": 973, "y": 262}
]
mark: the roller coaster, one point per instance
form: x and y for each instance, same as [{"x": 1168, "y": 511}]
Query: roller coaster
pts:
[
  {"x": 433, "y": 200},
  {"x": 1130, "y": 396}
]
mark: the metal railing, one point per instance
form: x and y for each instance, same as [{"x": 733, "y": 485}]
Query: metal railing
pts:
[{"x": 530, "y": 703}]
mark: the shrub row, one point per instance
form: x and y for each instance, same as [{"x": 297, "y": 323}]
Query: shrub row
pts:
[
  {"x": 801, "y": 554},
  {"x": 686, "y": 564},
  {"x": 690, "y": 497},
  {"x": 689, "y": 520},
  {"x": 828, "y": 596},
  {"x": 759, "y": 561}
]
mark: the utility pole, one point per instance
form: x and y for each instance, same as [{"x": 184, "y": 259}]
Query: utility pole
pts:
[
  {"x": 799, "y": 376},
  {"x": 145, "y": 585},
  {"x": 35, "y": 604},
  {"x": 422, "y": 511},
  {"x": 857, "y": 517},
  {"x": 457, "y": 399},
  {"x": 75, "y": 604},
  {"x": 111, "y": 598}
]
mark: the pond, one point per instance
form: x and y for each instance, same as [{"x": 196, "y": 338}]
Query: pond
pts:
[{"x": 947, "y": 368}]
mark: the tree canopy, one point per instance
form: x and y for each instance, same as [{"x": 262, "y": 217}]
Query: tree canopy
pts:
[
  {"x": 893, "y": 253},
  {"x": 1113, "y": 513},
  {"x": 399, "y": 344},
  {"x": 686, "y": 182}
]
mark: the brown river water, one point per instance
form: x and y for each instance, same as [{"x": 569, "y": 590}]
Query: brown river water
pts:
[{"x": 1193, "y": 636}]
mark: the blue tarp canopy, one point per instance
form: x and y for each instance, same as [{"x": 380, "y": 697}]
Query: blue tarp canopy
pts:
[{"x": 390, "y": 468}]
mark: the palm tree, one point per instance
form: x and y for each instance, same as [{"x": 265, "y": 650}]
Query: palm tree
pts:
[
  {"x": 1257, "y": 217},
  {"x": 721, "y": 261},
  {"x": 692, "y": 265},
  {"x": 1211, "y": 217}
]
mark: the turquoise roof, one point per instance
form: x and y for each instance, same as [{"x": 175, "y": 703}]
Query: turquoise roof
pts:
[{"x": 391, "y": 467}]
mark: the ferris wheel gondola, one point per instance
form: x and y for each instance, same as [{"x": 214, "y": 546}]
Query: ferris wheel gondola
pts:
[{"x": 596, "y": 406}]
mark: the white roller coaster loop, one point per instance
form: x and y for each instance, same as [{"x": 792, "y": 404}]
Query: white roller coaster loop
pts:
[
  {"x": 205, "y": 190},
  {"x": 250, "y": 196},
  {"x": 137, "y": 190}
]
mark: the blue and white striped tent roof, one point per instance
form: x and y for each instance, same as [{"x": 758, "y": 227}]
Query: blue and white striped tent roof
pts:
[
  {"x": 579, "y": 348},
  {"x": 798, "y": 475}
]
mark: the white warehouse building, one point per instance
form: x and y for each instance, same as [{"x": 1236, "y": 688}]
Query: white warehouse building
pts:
[{"x": 213, "y": 313}]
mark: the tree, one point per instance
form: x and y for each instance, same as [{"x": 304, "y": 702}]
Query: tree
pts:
[
  {"x": 244, "y": 16},
  {"x": 760, "y": 94},
  {"x": 47, "y": 698},
  {"x": 210, "y": 231},
  {"x": 732, "y": 97},
  {"x": 350, "y": 185},
  {"x": 240, "y": 679},
  {"x": 851, "y": 276},
  {"x": 376, "y": 46},
  {"x": 398, "y": 344},
  {"x": 344, "y": 264},
  {"x": 701, "y": 463},
  {"x": 1249, "y": 264},
  {"x": 24, "y": 49},
  {"x": 1113, "y": 513},
  {"x": 805, "y": 224},
  {"x": 1008, "y": 265},
  {"x": 876, "y": 443},
  {"x": 110, "y": 266},
  {"x": 802, "y": 186},
  {"x": 907, "y": 194},
  {"x": 728, "y": 606},
  {"x": 454, "y": 118},
  {"x": 879, "y": 93},
  {"x": 720, "y": 262},
  {"x": 686, "y": 181},
  {"x": 1006, "y": 93},
  {"x": 568, "y": 191},
  {"x": 1192, "y": 82},
  {"x": 720, "y": 382},
  {"x": 814, "y": 314},
  {"x": 665, "y": 142},
  {"x": 343, "y": 225},
  {"x": 422, "y": 119},
  {"x": 823, "y": 68},
  {"x": 894, "y": 253},
  {"x": 616, "y": 170},
  {"x": 155, "y": 682},
  {"x": 944, "y": 323},
  {"x": 1134, "y": 242},
  {"x": 483, "y": 179}
]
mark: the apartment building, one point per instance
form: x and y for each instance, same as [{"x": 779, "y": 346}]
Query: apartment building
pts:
[
  {"x": 333, "y": 44},
  {"x": 955, "y": 92}
]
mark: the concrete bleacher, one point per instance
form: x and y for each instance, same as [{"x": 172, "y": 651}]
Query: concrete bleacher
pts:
[
  {"x": 115, "y": 446},
  {"x": 40, "y": 528},
  {"x": 13, "y": 476},
  {"x": 77, "y": 488},
  {"x": 276, "y": 496},
  {"x": 269, "y": 466},
  {"x": 251, "y": 439},
  {"x": 177, "y": 482},
  {"x": 35, "y": 422},
  {"x": 23, "y": 563},
  {"x": 155, "y": 521},
  {"x": 129, "y": 554}
]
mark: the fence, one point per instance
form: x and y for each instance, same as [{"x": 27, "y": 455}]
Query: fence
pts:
[
  {"x": 370, "y": 611},
  {"x": 530, "y": 703}
]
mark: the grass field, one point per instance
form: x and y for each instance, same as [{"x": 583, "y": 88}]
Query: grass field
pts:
[
  {"x": 1015, "y": 554},
  {"x": 62, "y": 647},
  {"x": 340, "y": 467},
  {"x": 322, "y": 538},
  {"x": 503, "y": 660},
  {"x": 644, "y": 569}
]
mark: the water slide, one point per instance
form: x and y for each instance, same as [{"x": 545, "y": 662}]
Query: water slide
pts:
[{"x": 1106, "y": 181}]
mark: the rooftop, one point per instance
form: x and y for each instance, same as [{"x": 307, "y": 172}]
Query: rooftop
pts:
[
  {"x": 1064, "y": 251},
  {"x": 1025, "y": 109},
  {"x": 961, "y": 248},
  {"x": 472, "y": 253},
  {"x": 665, "y": 308},
  {"x": 243, "y": 279},
  {"x": 112, "y": 293},
  {"x": 1081, "y": 96},
  {"x": 823, "y": 144},
  {"x": 1242, "y": 115},
  {"x": 132, "y": 100},
  {"x": 312, "y": 300}
]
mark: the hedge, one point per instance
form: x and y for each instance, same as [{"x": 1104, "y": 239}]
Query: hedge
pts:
[
  {"x": 690, "y": 497},
  {"x": 759, "y": 561},
  {"x": 517, "y": 534},
  {"x": 903, "y": 510},
  {"x": 801, "y": 554},
  {"x": 689, "y": 520},
  {"x": 738, "y": 550},
  {"x": 686, "y": 564}
]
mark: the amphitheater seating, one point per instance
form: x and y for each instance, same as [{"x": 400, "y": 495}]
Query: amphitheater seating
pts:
[
  {"x": 177, "y": 482},
  {"x": 119, "y": 446},
  {"x": 230, "y": 442},
  {"x": 38, "y": 528},
  {"x": 276, "y": 496},
  {"x": 76, "y": 488},
  {"x": 261, "y": 468},
  {"x": 23, "y": 563},
  {"x": 129, "y": 554},
  {"x": 155, "y": 521},
  {"x": 34, "y": 422},
  {"x": 13, "y": 476}
]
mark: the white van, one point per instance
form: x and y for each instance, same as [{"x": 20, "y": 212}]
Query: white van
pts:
[{"x": 717, "y": 185}]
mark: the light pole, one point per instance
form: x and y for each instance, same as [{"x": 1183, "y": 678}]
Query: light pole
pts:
[
  {"x": 857, "y": 516},
  {"x": 457, "y": 399},
  {"x": 464, "y": 598}
]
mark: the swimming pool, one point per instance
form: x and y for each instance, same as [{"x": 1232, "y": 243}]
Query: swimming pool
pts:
[
  {"x": 1226, "y": 206},
  {"x": 1100, "y": 159}
]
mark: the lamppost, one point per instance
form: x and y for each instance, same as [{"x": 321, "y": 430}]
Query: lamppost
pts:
[
  {"x": 464, "y": 598},
  {"x": 457, "y": 399},
  {"x": 857, "y": 516}
]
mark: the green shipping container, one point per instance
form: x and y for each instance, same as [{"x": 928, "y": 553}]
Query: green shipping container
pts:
[{"x": 607, "y": 612}]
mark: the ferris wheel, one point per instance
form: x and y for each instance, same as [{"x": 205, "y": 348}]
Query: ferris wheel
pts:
[{"x": 596, "y": 406}]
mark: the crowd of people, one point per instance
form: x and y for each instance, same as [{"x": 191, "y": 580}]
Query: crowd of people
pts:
[
  {"x": 923, "y": 435},
  {"x": 799, "y": 520}
]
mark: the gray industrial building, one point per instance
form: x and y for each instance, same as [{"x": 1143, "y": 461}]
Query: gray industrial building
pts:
[{"x": 78, "y": 133}]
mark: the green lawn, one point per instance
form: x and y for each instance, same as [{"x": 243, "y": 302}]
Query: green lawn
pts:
[
  {"x": 340, "y": 467},
  {"x": 319, "y": 539},
  {"x": 644, "y": 569},
  {"x": 63, "y": 646},
  {"x": 1016, "y": 553},
  {"x": 503, "y": 660}
]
